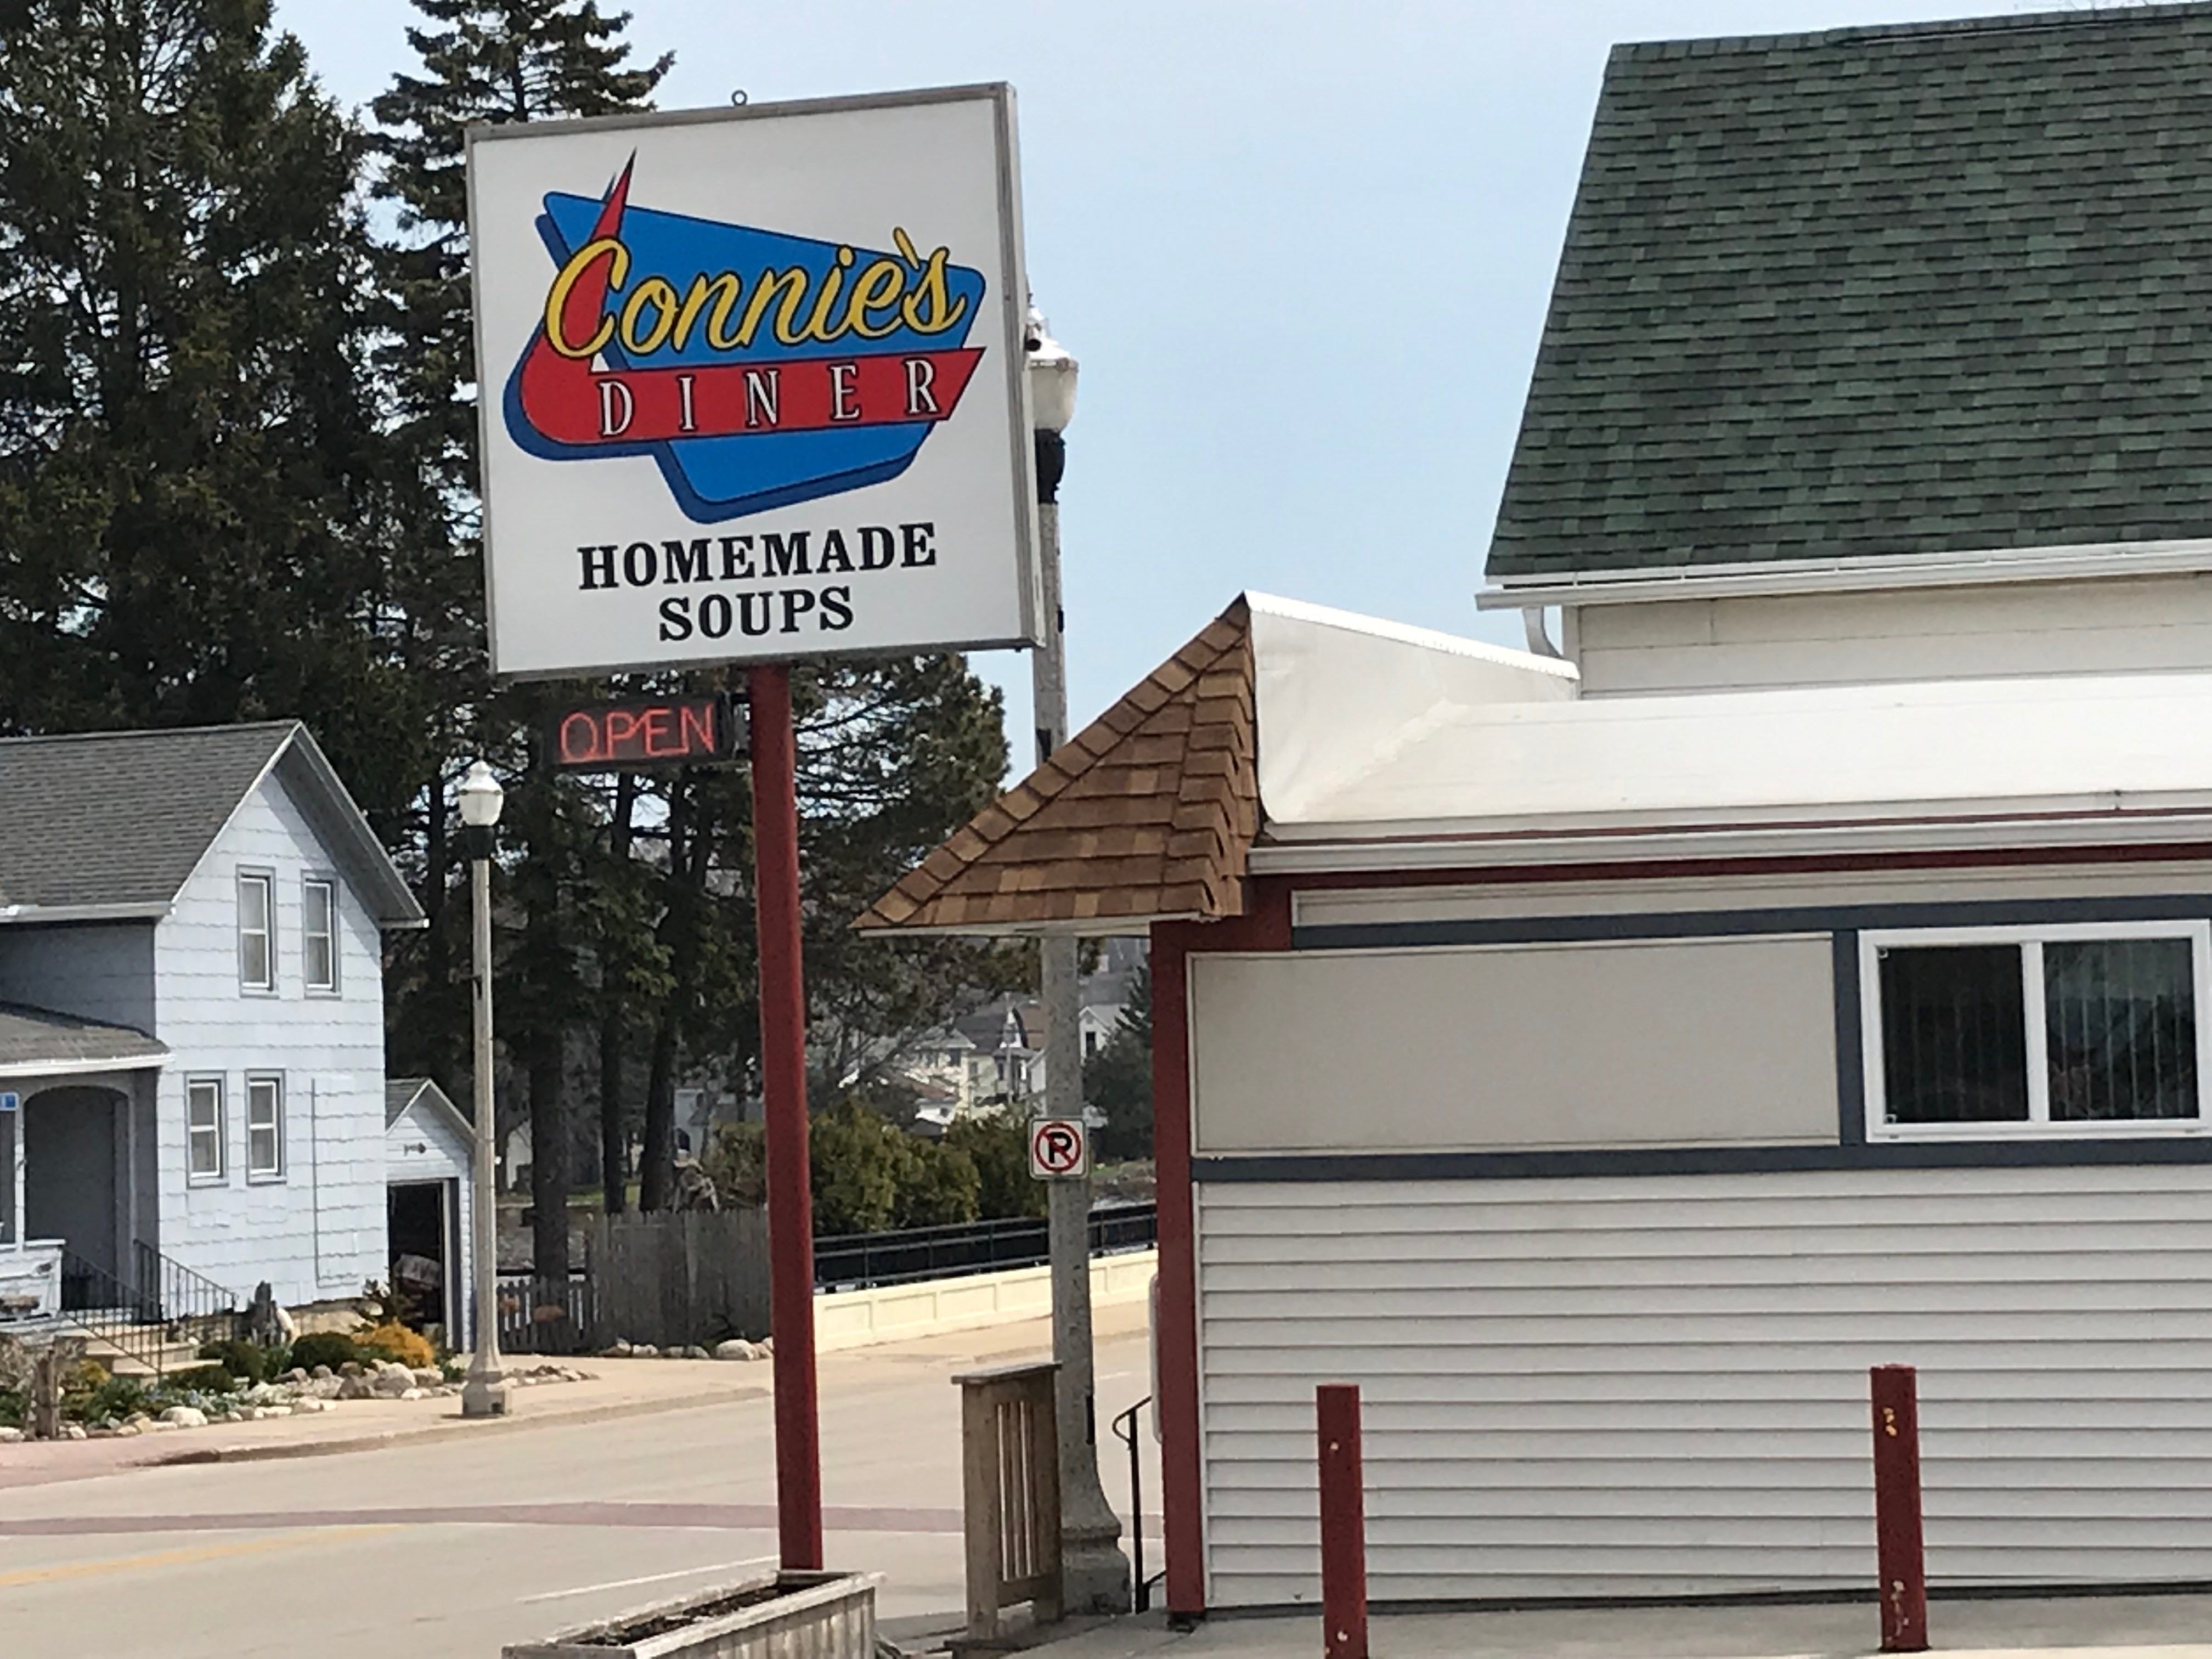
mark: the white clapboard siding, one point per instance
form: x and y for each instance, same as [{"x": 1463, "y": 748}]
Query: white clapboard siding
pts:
[
  {"x": 2140, "y": 626},
  {"x": 1658, "y": 1385}
]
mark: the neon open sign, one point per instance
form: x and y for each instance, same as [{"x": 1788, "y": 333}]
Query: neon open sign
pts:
[{"x": 615, "y": 737}]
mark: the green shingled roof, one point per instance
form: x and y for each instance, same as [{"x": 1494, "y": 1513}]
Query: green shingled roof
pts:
[{"x": 1909, "y": 290}]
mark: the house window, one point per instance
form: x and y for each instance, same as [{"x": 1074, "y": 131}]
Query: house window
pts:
[
  {"x": 264, "y": 1128},
  {"x": 256, "y": 933},
  {"x": 2055, "y": 1031},
  {"x": 318, "y": 934},
  {"x": 203, "y": 1127}
]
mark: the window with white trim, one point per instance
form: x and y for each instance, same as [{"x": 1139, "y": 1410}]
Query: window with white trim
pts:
[
  {"x": 2063, "y": 1030},
  {"x": 203, "y": 1132},
  {"x": 264, "y": 1127},
  {"x": 257, "y": 931},
  {"x": 318, "y": 934}
]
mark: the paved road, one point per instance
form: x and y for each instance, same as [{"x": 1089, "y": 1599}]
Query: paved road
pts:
[{"x": 446, "y": 1549}]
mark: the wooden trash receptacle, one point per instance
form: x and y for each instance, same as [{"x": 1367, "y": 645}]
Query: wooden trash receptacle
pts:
[{"x": 1009, "y": 1468}]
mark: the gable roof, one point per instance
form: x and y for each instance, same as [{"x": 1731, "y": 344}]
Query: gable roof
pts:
[
  {"x": 1897, "y": 291},
  {"x": 112, "y": 824},
  {"x": 1151, "y": 814},
  {"x": 1146, "y": 812},
  {"x": 402, "y": 1092},
  {"x": 40, "y": 1041}
]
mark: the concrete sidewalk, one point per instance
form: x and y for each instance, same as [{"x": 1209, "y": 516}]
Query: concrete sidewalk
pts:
[
  {"x": 617, "y": 1388},
  {"x": 2073, "y": 1627}
]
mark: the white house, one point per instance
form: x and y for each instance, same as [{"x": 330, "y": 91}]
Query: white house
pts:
[
  {"x": 1603, "y": 1055},
  {"x": 192, "y": 1017}
]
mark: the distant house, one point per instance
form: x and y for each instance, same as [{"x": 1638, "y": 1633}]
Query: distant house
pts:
[{"x": 192, "y": 1017}]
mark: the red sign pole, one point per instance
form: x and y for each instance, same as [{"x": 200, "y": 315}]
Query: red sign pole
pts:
[
  {"x": 1898, "y": 1542},
  {"x": 783, "y": 1086},
  {"x": 1343, "y": 1523}
]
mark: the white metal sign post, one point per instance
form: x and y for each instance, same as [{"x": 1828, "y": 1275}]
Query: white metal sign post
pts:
[{"x": 752, "y": 391}]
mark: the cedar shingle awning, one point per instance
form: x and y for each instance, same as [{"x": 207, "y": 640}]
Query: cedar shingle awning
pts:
[{"x": 1147, "y": 814}]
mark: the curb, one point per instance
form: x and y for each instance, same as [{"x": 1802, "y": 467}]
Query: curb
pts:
[{"x": 446, "y": 1429}]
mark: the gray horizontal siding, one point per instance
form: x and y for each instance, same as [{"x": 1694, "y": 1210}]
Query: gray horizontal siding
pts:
[{"x": 1658, "y": 1386}]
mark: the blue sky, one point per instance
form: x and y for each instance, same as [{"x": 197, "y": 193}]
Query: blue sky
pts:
[{"x": 1301, "y": 250}]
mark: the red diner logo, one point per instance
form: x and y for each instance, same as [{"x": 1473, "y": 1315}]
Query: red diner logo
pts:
[{"x": 759, "y": 369}]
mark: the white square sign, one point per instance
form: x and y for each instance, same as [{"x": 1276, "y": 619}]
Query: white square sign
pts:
[
  {"x": 1059, "y": 1149},
  {"x": 752, "y": 384}
]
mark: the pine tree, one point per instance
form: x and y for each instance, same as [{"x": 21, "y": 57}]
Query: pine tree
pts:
[
  {"x": 495, "y": 61},
  {"x": 200, "y": 507}
]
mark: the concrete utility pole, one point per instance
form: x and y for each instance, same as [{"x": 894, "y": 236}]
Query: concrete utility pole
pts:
[
  {"x": 485, "y": 1393},
  {"x": 1095, "y": 1574}
]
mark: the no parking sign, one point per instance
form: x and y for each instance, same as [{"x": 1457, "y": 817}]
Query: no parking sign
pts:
[{"x": 1059, "y": 1149}]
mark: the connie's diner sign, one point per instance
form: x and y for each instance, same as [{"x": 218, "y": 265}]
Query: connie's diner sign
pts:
[{"x": 752, "y": 384}]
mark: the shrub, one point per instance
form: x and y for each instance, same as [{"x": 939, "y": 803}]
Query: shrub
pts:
[
  {"x": 942, "y": 1187},
  {"x": 117, "y": 1397},
  {"x": 999, "y": 1146},
  {"x": 13, "y": 1404},
  {"x": 246, "y": 1361},
  {"x": 393, "y": 1340},
  {"x": 202, "y": 1379},
  {"x": 332, "y": 1348}
]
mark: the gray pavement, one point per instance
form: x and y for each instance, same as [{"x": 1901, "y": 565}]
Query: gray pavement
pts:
[
  {"x": 2087, "y": 1627},
  {"x": 448, "y": 1547}
]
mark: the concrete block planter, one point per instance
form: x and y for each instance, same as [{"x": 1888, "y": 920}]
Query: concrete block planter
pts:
[{"x": 779, "y": 1615}]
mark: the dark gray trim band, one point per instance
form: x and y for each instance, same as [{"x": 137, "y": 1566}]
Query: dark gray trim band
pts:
[
  {"x": 1722, "y": 924},
  {"x": 1850, "y": 1051},
  {"x": 1699, "y": 1160}
]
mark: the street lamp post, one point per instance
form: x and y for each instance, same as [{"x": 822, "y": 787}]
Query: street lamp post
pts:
[
  {"x": 485, "y": 1394},
  {"x": 1095, "y": 1574}
]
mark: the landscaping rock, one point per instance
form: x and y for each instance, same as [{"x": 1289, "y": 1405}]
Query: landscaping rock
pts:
[
  {"x": 645, "y": 1351},
  {"x": 617, "y": 1349},
  {"x": 737, "y": 1348},
  {"x": 124, "y": 1429},
  {"x": 355, "y": 1388},
  {"x": 308, "y": 1407},
  {"x": 296, "y": 1375},
  {"x": 413, "y": 1393},
  {"x": 185, "y": 1416},
  {"x": 321, "y": 1374},
  {"x": 9, "y": 1436},
  {"x": 388, "y": 1385},
  {"x": 351, "y": 1368},
  {"x": 73, "y": 1432},
  {"x": 427, "y": 1377}
]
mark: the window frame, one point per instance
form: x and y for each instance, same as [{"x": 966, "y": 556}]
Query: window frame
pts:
[
  {"x": 220, "y": 1175},
  {"x": 2031, "y": 939},
  {"x": 255, "y": 1174},
  {"x": 267, "y": 880},
  {"x": 308, "y": 883}
]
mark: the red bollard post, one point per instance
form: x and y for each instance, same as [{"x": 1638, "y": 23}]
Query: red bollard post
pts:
[
  {"x": 1898, "y": 1542},
  {"x": 1343, "y": 1523}
]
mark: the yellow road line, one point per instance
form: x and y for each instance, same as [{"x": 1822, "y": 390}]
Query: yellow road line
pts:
[{"x": 184, "y": 1558}]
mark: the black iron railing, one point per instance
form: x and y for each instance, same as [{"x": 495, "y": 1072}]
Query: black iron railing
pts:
[
  {"x": 164, "y": 1308},
  {"x": 856, "y": 1261}
]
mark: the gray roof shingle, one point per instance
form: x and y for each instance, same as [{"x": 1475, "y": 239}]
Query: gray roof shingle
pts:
[
  {"x": 401, "y": 1092},
  {"x": 120, "y": 818},
  {"x": 116, "y": 821},
  {"x": 1904, "y": 290},
  {"x": 32, "y": 1037}
]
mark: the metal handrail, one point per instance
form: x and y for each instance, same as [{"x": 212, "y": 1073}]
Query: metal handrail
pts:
[{"x": 1127, "y": 1436}]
